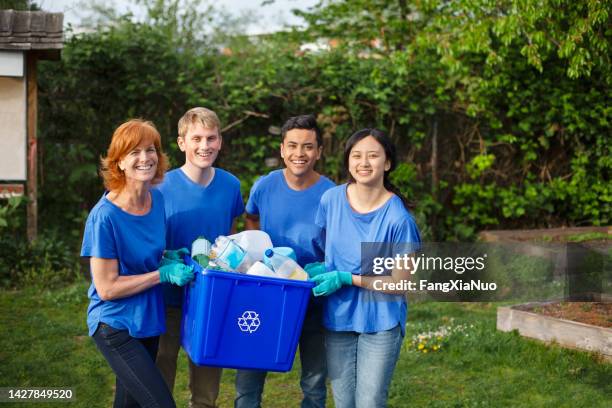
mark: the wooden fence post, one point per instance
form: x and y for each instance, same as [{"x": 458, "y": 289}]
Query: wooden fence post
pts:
[{"x": 32, "y": 111}]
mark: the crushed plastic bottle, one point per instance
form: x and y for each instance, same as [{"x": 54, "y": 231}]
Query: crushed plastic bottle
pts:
[
  {"x": 259, "y": 269},
  {"x": 254, "y": 242},
  {"x": 227, "y": 254},
  {"x": 285, "y": 267}
]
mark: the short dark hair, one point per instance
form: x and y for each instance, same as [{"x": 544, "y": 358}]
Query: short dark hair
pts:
[{"x": 307, "y": 122}]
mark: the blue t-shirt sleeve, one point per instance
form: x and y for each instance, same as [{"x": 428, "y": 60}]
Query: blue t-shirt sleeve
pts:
[
  {"x": 321, "y": 217},
  {"x": 252, "y": 206},
  {"x": 407, "y": 232},
  {"x": 98, "y": 239}
]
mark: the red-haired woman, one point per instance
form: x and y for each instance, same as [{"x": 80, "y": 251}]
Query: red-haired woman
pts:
[{"x": 125, "y": 238}]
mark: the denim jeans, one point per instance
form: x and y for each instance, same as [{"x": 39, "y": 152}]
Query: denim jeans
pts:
[
  {"x": 360, "y": 366},
  {"x": 138, "y": 381},
  {"x": 250, "y": 383}
]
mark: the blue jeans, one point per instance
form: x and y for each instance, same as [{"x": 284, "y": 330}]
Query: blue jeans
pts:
[
  {"x": 360, "y": 366},
  {"x": 250, "y": 383},
  {"x": 139, "y": 382}
]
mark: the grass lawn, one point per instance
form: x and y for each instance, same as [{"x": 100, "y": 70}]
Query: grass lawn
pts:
[{"x": 44, "y": 343}]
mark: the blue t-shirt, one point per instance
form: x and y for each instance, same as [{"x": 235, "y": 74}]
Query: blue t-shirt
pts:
[
  {"x": 193, "y": 211},
  {"x": 137, "y": 243},
  {"x": 288, "y": 215},
  {"x": 352, "y": 308}
]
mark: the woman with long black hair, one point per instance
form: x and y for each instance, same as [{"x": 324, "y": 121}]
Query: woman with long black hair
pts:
[{"x": 365, "y": 326}]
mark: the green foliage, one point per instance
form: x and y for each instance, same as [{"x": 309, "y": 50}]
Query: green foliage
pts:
[
  {"x": 46, "y": 262},
  {"x": 516, "y": 93},
  {"x": 575, "y": 32},
  {"x": 49, "y": 261},
  {"x": 479, "y": 164},
  {"x": 101, "y": 81},
  {"x": 406, "y": 178},
  {"x": 9, "y": 217},
  {"x": 519, "y": 90},
  {"x": 25, "y": 5}
]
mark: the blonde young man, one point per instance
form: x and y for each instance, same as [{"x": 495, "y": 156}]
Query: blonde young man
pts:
[{"x": 200, "y": 200}]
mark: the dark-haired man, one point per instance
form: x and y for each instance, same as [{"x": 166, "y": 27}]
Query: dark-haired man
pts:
[{"x": 284, "y": 204}]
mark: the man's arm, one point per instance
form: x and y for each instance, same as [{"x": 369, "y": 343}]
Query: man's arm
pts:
[{"x": 252, "y": 222}]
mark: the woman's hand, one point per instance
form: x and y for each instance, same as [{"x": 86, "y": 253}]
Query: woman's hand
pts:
[
  {"x": 315, "y": 269},
  {"x": 177, "y": 254},
  {"x": 329, "y": 282},
  {"x": 176, "y": 273}
]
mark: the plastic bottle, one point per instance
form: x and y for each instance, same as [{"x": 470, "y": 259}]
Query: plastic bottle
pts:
[
  {"x": 227, "y": 254},
  {"x": 285, "y": 267},
  {"x": 200, "y": 246},
  {"x": 200, "y": 249},
  {"x": 254, "y": 242},
  {"x": 285, "y": 251},
  {"x": 259, "y": 269}
]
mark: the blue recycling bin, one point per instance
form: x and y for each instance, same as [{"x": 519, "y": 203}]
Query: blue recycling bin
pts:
[{"x": 240, "y": 321}]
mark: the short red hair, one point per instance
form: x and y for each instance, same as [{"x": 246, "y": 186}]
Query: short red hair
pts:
[{"x": 127, "y": 136}]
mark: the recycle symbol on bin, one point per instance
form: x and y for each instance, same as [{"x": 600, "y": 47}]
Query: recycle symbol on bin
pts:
[{"x": 249, "y": 321}]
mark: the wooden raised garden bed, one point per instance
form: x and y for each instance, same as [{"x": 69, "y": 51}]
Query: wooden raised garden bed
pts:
[
  {"x": 579, "y": 325},
  {"x": 548, "y": 235},
  {"x": 537, "y": 320}
]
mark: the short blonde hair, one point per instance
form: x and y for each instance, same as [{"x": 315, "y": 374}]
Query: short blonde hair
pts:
[
  {"x": 203, "y": 116},
  {"x": 127, "y": 136}
]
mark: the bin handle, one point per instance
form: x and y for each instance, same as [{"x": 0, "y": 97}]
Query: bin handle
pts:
[{"x": 197, "y": 268}]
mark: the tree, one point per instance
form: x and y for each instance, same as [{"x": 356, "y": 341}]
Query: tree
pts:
[
  {"x": 19, "y": 5},
  {"x": 521, "y": 132}
]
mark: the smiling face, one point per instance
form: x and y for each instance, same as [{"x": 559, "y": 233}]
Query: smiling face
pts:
[
  {"x": 201, "y": 145},
  {"x": 300, "y": 151},
  {"x": 140, "y": 163},
  {"x": 368, "y": 162}
]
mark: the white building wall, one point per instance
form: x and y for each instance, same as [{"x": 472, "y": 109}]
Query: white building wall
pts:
[{"x": 13, "y": 128}]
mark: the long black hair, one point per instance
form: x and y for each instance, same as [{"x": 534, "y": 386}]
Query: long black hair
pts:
[{"x": 390, "y": 154}]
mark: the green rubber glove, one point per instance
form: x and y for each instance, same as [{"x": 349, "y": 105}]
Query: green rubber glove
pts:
[
  {"x": 176, "y": 273},
  {"x": 315, "y": 269},
  {"x": 165, "y": 261},
  {"x": 329, "y": 282},
  {"x": 176, "y": 254}
]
